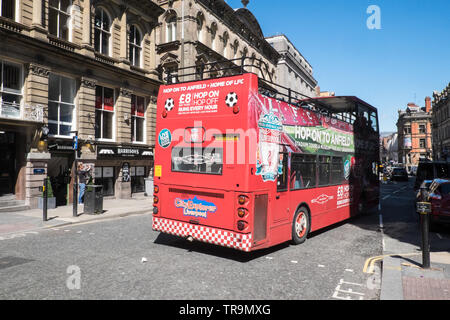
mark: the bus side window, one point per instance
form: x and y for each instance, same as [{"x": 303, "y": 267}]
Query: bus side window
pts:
[
  {"x": 337, "y": 171},
  {"x": 324, "y": 171},
  {"x": 283, "y": 178},
  {"x": 303, "y": 172}
]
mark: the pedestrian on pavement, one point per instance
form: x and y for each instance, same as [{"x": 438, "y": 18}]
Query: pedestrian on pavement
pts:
[{"x": 83, "y": 176}]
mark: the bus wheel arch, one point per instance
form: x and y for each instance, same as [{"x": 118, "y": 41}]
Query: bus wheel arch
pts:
[{"x": 301, "y": 224}]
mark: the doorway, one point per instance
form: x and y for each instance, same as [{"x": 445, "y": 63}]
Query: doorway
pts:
[{"x": 7, "y": 163}]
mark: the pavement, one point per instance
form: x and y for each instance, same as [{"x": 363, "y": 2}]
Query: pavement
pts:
[
  {"x": 22, "y": 222},
  {"x": 403, "y": 275}
]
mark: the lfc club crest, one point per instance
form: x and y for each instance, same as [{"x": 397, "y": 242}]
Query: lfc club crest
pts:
[{"x": 268, "y": 164}]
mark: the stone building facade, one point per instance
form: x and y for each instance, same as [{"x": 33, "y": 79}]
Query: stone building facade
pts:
[
  {"x": 414, "y": 134},
  {"x": 210, "y": 35},
  {"x": 82, "y": 66},
  {"x": 293, "y": 70},
  {"x": 441, "y": 124}
]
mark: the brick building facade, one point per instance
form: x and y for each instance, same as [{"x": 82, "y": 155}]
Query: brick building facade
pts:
[{"x": 414, "y": 134}]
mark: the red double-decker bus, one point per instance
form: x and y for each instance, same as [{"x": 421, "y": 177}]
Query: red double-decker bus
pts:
[{"x": 242, "y": 164}]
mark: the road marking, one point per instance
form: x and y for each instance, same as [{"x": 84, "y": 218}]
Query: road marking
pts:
[
  {"x": 321, "y": 266},
  {"x": 349, "y": 293},
  {"x": 349, "y": 270},
  {"x": 369, "y": 265},
  {"x": 293, "y": 261},
  {"x": 17, "y": 235}
]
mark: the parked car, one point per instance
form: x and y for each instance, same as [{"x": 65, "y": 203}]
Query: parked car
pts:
[
  {"x": 440, "y": 201},
  {"x": 399, "y": 174},
  {"x": 428, "y": 170}
]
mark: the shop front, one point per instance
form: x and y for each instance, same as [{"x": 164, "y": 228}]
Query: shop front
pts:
[
  {"x": 122, "y": 170},
  {"x": 59, "y": 170}
]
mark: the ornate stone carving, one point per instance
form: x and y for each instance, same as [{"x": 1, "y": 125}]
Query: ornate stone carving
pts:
[
  {"x": 88, "y": 83},
  {"x": 39, "y": 70},
  {"x": 126, "y": 92}
]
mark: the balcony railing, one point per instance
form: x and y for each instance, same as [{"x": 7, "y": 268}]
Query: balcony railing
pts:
[
  {"x": 15, "y": 111},
  {"x": 10, "y": 25}
]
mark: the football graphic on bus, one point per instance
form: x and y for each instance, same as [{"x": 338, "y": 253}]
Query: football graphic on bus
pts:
[
  {"x": 170, "y": 104},
  {"x": 231, "y": 100}
]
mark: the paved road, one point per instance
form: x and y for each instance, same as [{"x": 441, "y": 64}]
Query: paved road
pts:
[{"x": 125, "y": 259}]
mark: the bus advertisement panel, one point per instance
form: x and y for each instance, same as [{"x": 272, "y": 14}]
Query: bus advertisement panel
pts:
[{"x": 237, "y": 168}]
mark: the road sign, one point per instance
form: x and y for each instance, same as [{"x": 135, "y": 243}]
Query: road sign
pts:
[
  {"x": 75, "y": 143},
  {"x": 424, "y": 207}
]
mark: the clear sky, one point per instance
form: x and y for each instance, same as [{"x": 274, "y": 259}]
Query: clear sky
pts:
[{"x": 404, "y": 61}]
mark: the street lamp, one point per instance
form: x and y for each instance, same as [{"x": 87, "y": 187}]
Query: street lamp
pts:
[{"x": 75, "y": 174}]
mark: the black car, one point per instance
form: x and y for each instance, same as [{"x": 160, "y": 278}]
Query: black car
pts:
[{"x": 399, "y": 174}]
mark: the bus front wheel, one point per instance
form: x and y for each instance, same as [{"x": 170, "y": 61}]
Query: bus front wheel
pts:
[{"x": 300, "y": 226}]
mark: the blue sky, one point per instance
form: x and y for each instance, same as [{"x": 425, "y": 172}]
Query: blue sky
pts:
[{"x": 404, "y": 61}]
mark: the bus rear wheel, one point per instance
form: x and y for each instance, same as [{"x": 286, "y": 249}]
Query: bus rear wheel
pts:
[{"x": 300, "y": 226}]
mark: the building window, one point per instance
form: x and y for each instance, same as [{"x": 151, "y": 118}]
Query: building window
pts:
[
  {"x": 407, "y": 130},
  {"x": 422, "y": 143},
  {"x": 213, "y": 36},
  {"x": 422, "y": 128},
  {"x": 137, "y": 179},
  {"x": 171, "y": 29},
  {"x": 200, "y": 22},
  {"x": 8, "y": 9},
  {"x": 138, "y": 119},
  {"x": 104, "y": 113},
  {"x": 10, "y": 89},
  {"x": 61, "y": 105},
  {"x": 102, "y": 31},
  {"x": 104, "y": 176},
  {"x": 135, "y": 46},
  {"x": 59, "y": 18}
]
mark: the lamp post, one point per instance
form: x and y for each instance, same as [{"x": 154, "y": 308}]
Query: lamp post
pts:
[{"x": 75, "y": 175}]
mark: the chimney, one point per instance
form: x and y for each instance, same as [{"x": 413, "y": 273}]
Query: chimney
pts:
[{"x": 427, "y": 104}]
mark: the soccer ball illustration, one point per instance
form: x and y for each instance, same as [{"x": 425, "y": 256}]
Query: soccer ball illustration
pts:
[
  {"x": 170, "y": 104},
  {"x": 231, "y": 100}
]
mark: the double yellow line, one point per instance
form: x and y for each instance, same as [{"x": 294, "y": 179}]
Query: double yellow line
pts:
[{"x": 369, "y": 266}]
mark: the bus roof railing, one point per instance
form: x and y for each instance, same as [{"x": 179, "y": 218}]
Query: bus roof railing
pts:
[{"x": 346, "y": 106}]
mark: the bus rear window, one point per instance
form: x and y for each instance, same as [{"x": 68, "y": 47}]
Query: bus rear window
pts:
[{"x": 197, "y": 160}]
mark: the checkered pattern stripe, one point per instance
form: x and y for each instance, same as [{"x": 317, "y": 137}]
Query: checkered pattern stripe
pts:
[{"x": 205, "y": 234}]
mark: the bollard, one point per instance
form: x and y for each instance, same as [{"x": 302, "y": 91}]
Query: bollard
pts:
[
  {"x": 44, "y": 205},
  {"x": 425, "y": 218},
  {"x": 424, "y": 209}
]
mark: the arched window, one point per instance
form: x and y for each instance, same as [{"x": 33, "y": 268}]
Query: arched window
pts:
[
  {"x": 171, "y": 28},
  {"x": 213, "y": 32},
  {"x": 200, "y": 24},
  {"x": 235, "y": 49},
  {"x": 102, "y": 31},
  {"x": 225, "y": 39},
  {"x": 59, "y": 18},
  {"x": 135, "y": 46},
  {"x": 8, "y": 9}
]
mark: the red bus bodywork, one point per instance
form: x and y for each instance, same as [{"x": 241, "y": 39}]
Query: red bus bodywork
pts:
[{"x": 229, "y": 189}]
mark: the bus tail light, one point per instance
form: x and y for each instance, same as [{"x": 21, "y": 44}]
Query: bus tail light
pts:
[
  {"x": 164, "y": 114},
  {"x": 155, "y": 210},
  {"x": 242, "y": 200},
  {"x": 155, "y": 189},
  {"x": 241, "y": 225},
  {"x": 155, "y": 200},
  {"x": 242, "y": 212},
  {"x": 236, "y": 110}
]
